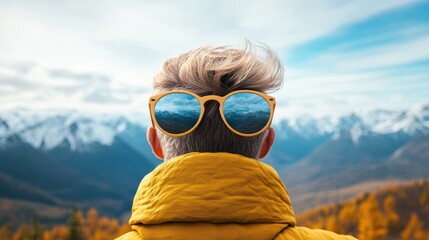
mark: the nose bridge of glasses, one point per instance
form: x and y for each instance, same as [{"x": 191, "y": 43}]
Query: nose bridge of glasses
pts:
[{"x": 207, "y": 98}]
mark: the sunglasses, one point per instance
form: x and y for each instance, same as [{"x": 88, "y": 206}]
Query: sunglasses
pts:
[{"x": 245, "y": 112}]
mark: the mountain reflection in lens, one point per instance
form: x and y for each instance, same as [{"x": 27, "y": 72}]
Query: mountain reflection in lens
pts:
[
  {"x": 246, "y": 112},
  {"x": 177, "y": 112}
]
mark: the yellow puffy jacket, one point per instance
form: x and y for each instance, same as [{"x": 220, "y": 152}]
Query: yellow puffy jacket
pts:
[{"x": 215, "y": 196}]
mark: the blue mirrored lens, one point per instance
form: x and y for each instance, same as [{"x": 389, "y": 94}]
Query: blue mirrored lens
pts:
[
  {"x": 177, "y": 112},
  {"x": 246, "y": 112}
]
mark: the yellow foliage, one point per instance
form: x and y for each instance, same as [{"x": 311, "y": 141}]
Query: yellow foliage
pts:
[
  {"x": 372, "y": 224},
  {"x": 5, "y": 232},
  {"x": 414, "y": 230},
  {"x": 91, "y": 223},
  {"x": 392, "y": 216},
  {"x": 124, "y": 228},
  {"x": 332, "y": 224},
  {"x": 94, "y": 228},
  {"x": 23, "y": 233},
  {"x": 56, "y": 233},
  {"x": 424, "y": 197},
  {"x": 361, "y": 217},
  {"x": 348, "y": 214}
]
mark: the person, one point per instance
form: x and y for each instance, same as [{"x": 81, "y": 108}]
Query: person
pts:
[{"x": 211, "y": 124}]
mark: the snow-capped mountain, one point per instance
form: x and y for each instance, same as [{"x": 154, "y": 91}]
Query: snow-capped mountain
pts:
[
  {"x": 46, "y": 130},
  {"x": 91, "y": 158},
  {"x": 409, "y": 122},
  {"x": 61, "y": 158}
]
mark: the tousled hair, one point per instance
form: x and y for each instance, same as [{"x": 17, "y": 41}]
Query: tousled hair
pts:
[{"x": 218, "y": 71}]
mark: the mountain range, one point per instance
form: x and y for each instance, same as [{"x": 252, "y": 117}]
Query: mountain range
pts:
[{"x": 53, "y": 160}]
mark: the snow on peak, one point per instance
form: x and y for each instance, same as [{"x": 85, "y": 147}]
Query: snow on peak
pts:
[
  {"x": 356, "y": 133},
  {"x": 409, "y": 122},
  {"x": 308, "y": 126},
  {"x": 49, "y": 129}
]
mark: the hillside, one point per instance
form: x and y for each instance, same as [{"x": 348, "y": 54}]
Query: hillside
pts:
[
  {"x": 50, "y": 183},
  {"x": 337, "y": 166},
  {"x": 395, "y": 212},
  {"x": 57, "y": 159},
  {"x": 398, "y": 212}
]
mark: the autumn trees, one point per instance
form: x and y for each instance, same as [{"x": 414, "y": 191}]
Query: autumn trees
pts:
[
  {"x": 372, "y": 223},
  {"x": 75, "y": 226},
  {"x": 395, "y": 213},
  {"x": 80, "y": 227},
  {"x": 398, "y": 212},
  {"x": 89, "y": 227},
  {"x": 414, "y": 230}
]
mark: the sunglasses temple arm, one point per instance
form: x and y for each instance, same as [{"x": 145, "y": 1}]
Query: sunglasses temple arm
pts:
[
  {"x": 150, "y": 116},
  {"x": 272, "y": 117}
]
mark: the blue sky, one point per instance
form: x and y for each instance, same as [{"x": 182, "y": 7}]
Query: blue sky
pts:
[
  {"x": 339, "y": 56},
  {"x": 379, "y": 62}
]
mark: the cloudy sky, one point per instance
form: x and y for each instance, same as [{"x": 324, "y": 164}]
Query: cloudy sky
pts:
[{"x": 339, "y": 56}]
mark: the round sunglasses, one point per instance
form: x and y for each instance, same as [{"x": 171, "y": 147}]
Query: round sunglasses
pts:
[{"x": 245, "y": 112}]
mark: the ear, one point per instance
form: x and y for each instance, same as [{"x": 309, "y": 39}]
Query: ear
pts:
[
  {"x": 154, "y": 142},
  {"x": 267, "y": 143}
]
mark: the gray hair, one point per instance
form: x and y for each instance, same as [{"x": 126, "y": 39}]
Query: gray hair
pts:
[{"x": 218, "y": 71}]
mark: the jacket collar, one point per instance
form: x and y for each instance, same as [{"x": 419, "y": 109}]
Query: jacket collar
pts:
[{"x": 211, "y": 187}]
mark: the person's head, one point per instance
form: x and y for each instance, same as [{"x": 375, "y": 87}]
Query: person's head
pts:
[{"x": 217, "y": 71}]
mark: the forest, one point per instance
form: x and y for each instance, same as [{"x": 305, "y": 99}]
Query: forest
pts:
[
  {"x": 398, "y": 212},
  {"x": 88, "y": 226}
]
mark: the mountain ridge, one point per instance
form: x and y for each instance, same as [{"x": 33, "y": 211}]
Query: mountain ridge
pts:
[
  {"x": 47, "y": 129},
  {"x": 320, "y": 160}
]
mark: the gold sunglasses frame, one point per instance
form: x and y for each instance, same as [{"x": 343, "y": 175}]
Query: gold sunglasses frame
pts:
[{"x": 202, "y": 100}]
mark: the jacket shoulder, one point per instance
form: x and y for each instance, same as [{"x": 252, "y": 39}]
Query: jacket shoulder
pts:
[
  {"x": 133, "y": 235},
  {"x": 303, "y": 233}
]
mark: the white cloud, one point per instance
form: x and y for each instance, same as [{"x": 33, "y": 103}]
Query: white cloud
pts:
[
  {"x": 382, "y": 56},
  {"x": 128, "y": 41}
]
